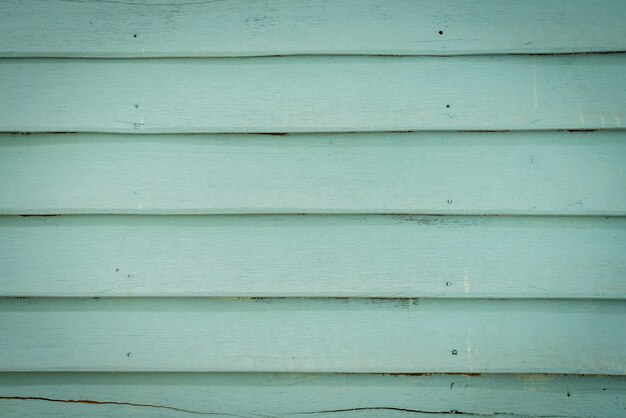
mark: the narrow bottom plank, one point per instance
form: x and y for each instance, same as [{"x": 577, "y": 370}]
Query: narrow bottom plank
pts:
[
  {"x": 313, "y": 335},
  {"x": 300, "y": 395}
]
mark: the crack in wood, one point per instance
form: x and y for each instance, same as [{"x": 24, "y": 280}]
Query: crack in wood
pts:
[
  {"x": 389, "y": 408},
  {"x": 329, "y": 411},
  {"x": 92, "y": 402},
  {"x": 427, "y": 412}
]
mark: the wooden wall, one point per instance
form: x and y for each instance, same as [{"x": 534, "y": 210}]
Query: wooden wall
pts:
[{"x": 329, "y": 208}]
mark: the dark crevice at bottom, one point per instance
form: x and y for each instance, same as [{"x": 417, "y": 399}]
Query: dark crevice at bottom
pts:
[
  {"x": 329, "y": 411},
  {"x": 92, "y": 402}
]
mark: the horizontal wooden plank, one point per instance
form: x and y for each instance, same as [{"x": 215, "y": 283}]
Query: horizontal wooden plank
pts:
[
  {"x": 313, "y": 94},
  {"x": 355, "y": 256},
  {"x": 246, "y": 395},
  {"x": 550, "y": 173},
  {"x": 277, "y": 27},
  {"x": 313, "y": 335}
]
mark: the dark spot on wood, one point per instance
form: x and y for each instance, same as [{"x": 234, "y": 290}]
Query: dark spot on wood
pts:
[
  {"x": 420, "y": 219},
  {"x": 403, "y": 303},
  {"x": 41, "y": 132},
  {"x": 440, "y": 32},
  {"x": 424, "y": 374}
]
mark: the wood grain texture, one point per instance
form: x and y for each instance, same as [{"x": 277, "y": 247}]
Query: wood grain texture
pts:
[
  {"x": 313, "y": 335},
  {"x": 550, "y": 173},
  {"x": 313, "y": 94},
  {"x": 321, "y": 256},
  {"x": 252, "y": 395},
  {"x": 160, "y": 28}
]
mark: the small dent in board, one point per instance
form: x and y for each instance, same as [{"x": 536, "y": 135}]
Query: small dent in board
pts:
[
  {"x": 454, "y": 352},
  {"x": 129, "y": 354},
  {"x": 449, "y": 201},
  {"x": 139, "y": 124}
]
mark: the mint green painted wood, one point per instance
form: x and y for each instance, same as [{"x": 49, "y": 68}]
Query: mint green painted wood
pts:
[
  {"x": 553, "y": 173},
  {"x": 313, "y": 335},
  {"x": 232, "y": 28},
  {"x": 304, "y": 94},
  {"x": 322, "y": 256},
  {"x": 295, "y": 395},
  {"x": 324, "y": 293}
]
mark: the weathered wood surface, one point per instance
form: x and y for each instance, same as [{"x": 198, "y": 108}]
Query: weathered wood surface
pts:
[
  {"x": 322, "y": 256},
  {"x": 338, "y": 292},
  {"x": 159, "y": 28},
  {"x": 251, "y": 395},
  {"x": 313, "y": 94},
  {"x": 553, "y": 173},
  {"x": 313, "y": 335}
]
